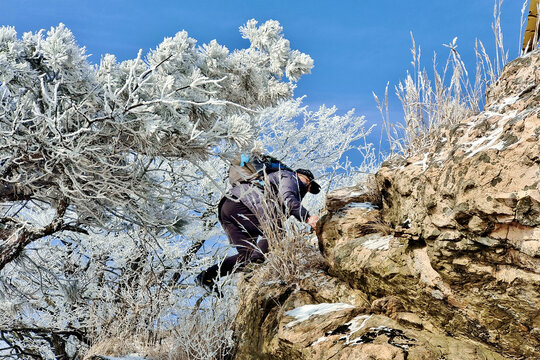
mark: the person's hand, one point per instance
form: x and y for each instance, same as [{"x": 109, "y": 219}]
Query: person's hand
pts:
[{"x": 312, "y": 221}]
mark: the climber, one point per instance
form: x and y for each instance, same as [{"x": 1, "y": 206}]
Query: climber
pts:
[
  {"x": 530, "y": 37},
  {"x": 249, "y": 205}
]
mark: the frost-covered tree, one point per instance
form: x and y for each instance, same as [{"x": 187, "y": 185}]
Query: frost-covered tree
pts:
[
  {"x": 99, "y": 142},
  {"x": 110, "y": 176}
]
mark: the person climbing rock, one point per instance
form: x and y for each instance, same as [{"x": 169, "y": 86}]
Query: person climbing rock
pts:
[{"x": 251, "y": 204}]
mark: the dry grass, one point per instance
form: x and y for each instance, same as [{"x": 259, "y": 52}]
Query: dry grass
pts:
[
  {"x": 381, "y": 227},
  {"x": 293, "y": 247},
  {"x": 292, "y": 257},
  {"x": 118, "y": 347},
  {"x": 450, "y": 96}
]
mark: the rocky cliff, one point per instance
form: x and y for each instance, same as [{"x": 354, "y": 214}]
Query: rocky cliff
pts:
[{"x": 444, "y": 263}]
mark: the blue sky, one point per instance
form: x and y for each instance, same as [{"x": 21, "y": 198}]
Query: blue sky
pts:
[{"x": 358, "y": 46}]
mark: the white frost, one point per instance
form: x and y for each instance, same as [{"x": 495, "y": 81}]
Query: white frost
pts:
[
  {"x": 4, "y": 92},
  {"x": 303, "y": 313},
  {"x": 379, "y": 243}
]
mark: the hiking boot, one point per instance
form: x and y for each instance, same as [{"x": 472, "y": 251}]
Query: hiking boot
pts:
[
  {"x": 207, "y": 282},
  {"x": 260, "y": 260},
  {"x": 251, "y": 265},
  {"x": 247, "y": 269}
]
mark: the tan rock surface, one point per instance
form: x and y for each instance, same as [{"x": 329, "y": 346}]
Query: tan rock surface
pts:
[
  {"x": 285, "y": 322},
  {"x": 473, "y": 203}
]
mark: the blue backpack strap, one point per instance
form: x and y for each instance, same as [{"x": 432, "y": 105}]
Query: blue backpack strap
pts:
[{"x": 244, "y": 159}]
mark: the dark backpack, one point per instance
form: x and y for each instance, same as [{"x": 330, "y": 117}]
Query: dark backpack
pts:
[{"x": 251, "y": 168}]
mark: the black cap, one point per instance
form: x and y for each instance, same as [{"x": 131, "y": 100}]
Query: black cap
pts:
[{"x": 315, "y": 188}]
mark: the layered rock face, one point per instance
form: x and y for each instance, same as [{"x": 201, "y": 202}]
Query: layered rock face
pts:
[
  {"x": 472, "y": 204},
  {"x": 443, "y": 264}
]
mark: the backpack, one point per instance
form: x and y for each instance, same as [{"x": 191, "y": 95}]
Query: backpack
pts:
[{"x": 252, "y": 168}]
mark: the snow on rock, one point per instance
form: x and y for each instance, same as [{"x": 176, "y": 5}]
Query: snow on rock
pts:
[
  {"x": 379, "y": 243},
  {"x": 303, "y": 313},
  {"x": 439, "y": 289},
  {"x": 480, "y": 144},
  {"x": 473, "y": 211},
  {"x": 354, "y": 325},
  {"x": 505, "y": 102},
  {"x": 362, "y": 205},
  {"x": 362, "y": 193},
  {"x": 127, "y": 357},
  {"x": 422, "y": 162}
]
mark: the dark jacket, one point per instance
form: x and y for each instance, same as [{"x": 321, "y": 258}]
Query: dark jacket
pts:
[{"x": 283, "y": 186}]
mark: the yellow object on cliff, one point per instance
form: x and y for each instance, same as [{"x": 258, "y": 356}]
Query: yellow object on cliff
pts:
[{"x": 530, "y": 38}]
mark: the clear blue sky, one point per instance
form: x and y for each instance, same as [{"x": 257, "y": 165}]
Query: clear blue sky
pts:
[{"x": 358, "y": 46}]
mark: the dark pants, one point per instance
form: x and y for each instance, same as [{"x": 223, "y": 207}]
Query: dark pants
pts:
[{"x": 242, "y": 228}]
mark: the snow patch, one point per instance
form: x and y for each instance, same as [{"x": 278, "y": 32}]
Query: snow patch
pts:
[
  {"x": 505, "y": 102},
  {"x": 379, "y": 243},
  {"x": 489, "y": 114},
  {"x": 363, "y": 205},
  {"x": 303, "y": 313},
  {"x": 481, "y": 145},
  {"x": 354, "y": 325},
  {"x": 407, "y": 223},
  {"x": 395, "y": 337},
  {"x": 422, "y": 162},
  {"x": 127, "y": 357},
  {"x": 437, "y": 294},
  {"x": 319, "y": 340},
  {"x": 510, "y": 100}
]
